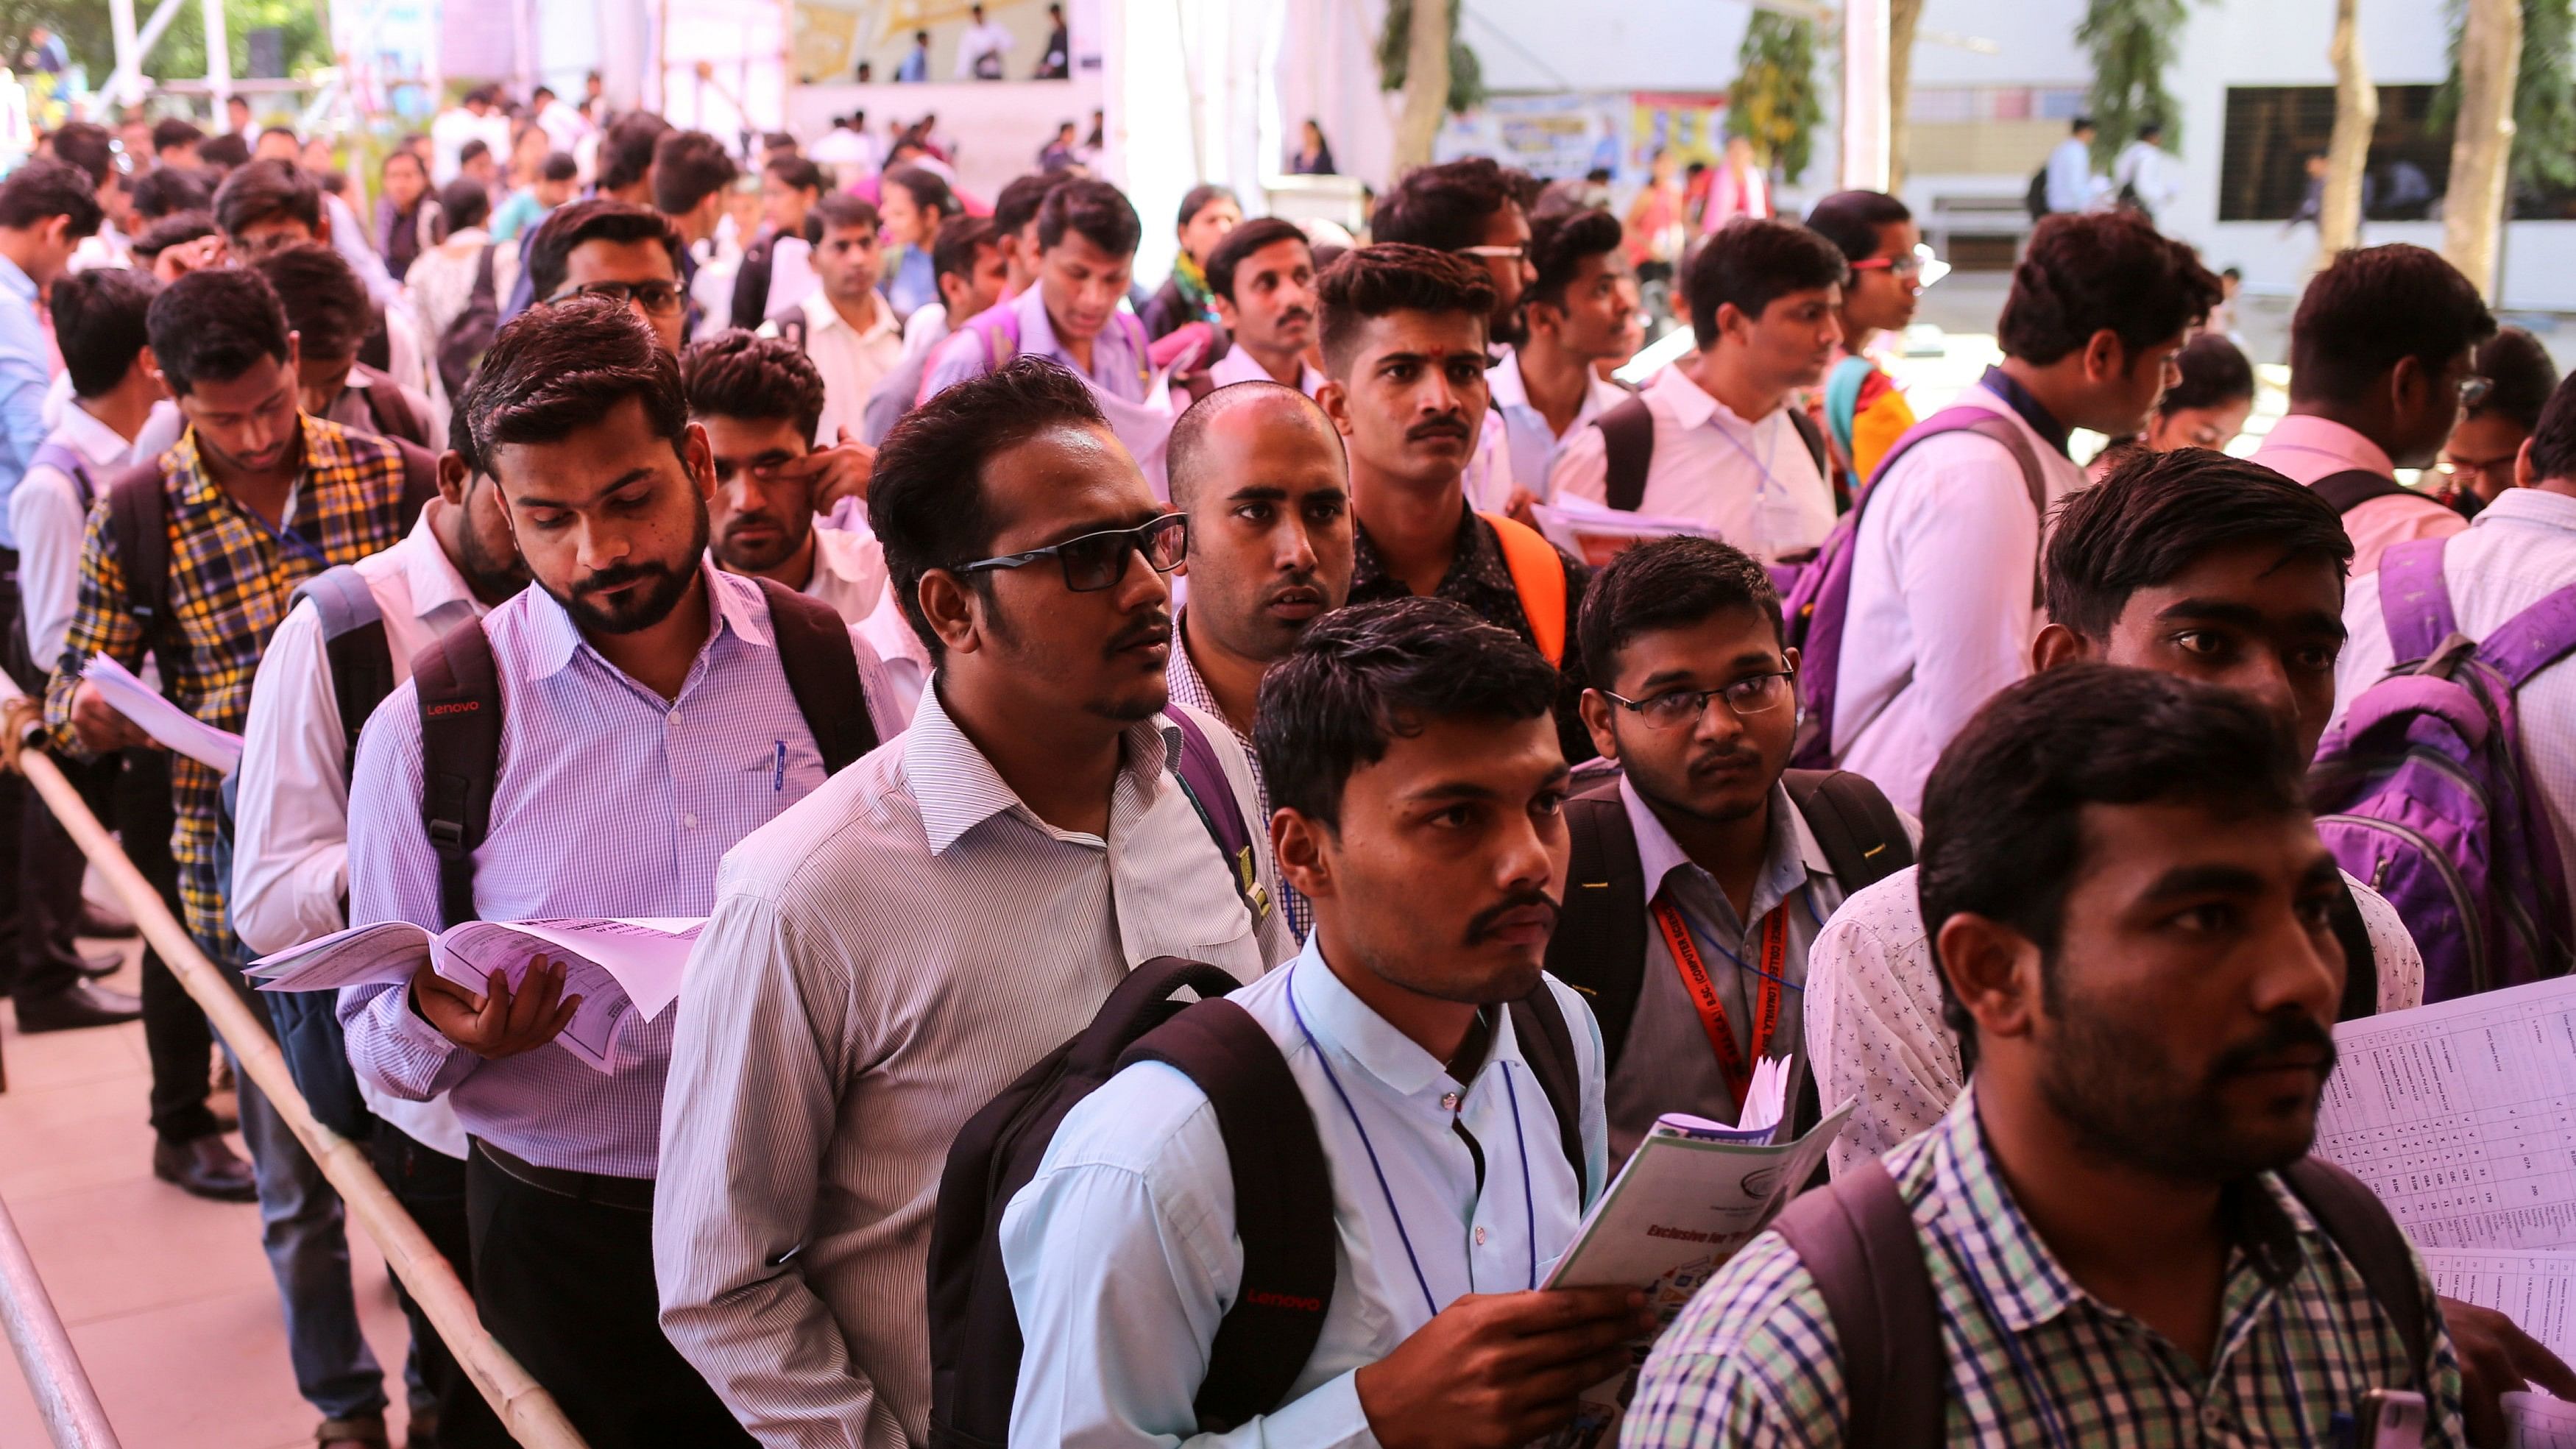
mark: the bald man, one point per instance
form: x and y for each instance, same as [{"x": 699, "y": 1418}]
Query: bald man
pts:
[{"x": 1259, "y": 470}]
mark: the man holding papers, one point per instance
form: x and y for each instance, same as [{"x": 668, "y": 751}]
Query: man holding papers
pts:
[
  {"x": 1410, "y": 751},
  {"x": 648, "y": 719}
]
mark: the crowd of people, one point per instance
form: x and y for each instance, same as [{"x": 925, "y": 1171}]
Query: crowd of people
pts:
[{"x": 605, "y": 533}]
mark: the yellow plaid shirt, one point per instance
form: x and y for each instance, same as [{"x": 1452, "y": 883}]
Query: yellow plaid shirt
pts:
[{"x": 231, "y": 577}]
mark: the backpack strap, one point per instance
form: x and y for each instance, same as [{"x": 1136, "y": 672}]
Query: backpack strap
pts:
[
  {"x": 2354, "y": 487},
  {"x": 2369, "y": 1239},
  {"x": 420, "y": 480},
  {"x": 1812, "y": 436},
  {"x": 354, "y": 644},
  {"x": 2360, "y": 960},
  {"x": 1859, "y": 831},
  {"x": 138, "y": 519},
  {"x": 1842, "y": 401},
  {"x": 1283, "y": 1205},
  {"x": 460, "y": 748},
  {"x": 66, "y": 460},
  {"x": 2415, "y": 599},
  {"x": 823, "y": 673},
  {"x": 1547, "y": 1046},
  {"x": 1858, "y": 1241},
  {"x": 2532, "y": 640},
  {"x": 1538, "y": 576},
  {"x": 1599, "y": 947},
  {"x": 1201, "y": 773},
  {"x": 396, "y": 420},
  {"x": 1627, "y": 452},
  {"x": 998, "y": 328}
]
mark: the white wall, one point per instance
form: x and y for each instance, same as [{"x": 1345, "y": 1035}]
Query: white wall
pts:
[{"x": 1606, "y": 45}]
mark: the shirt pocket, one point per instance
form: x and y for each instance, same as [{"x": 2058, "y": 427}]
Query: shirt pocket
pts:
[{"x": 778, "y": 775}]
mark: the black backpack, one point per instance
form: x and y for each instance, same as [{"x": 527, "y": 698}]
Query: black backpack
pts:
[
  {"x": 460, "y": 725},
  {"x": 469, "y": 335},
  {"x": 2035, "y": 200},
  {"x": 1628, "y": 449},
  {"x": 2354, "y": 487},
  {"x": 1282, "y": 1192}
]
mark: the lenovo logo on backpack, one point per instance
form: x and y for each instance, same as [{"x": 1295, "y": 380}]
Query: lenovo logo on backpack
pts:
[
  {"x": 1264, "y": 1298},
  {"x": 459, "y": 706}
]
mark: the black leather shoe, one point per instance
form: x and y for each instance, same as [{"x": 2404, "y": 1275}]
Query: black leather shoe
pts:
[
  {"x": 102, "y": 965},
  {"x": 78, "y": 1006},
  {"x": 204, "y": 1168}
]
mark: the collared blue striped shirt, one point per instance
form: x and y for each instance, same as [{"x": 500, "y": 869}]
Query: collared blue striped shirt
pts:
[{"x": 25, "y": 371}]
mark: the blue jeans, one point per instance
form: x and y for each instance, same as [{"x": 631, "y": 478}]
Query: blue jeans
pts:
[{"x": 306, "y": 1236}]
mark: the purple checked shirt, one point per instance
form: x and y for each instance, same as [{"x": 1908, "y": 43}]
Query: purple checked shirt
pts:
[{"x": 610, "y": 802}]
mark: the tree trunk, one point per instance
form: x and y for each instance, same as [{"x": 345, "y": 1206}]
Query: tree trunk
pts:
[
  {"x": 2348, "y": 154},
  {"x": 1902, "y": 17},
  {"x": 1426, "y": 85},
  {"x": 2482, "y": 144}
]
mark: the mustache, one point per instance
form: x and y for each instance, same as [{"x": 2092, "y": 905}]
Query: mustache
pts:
[
  {"x": 1489, "y": 919},
  {"x": 1154, "y": 628},
  {"x": 2281, "y": 1036},
  {"x": 618, "y": 576},
  {"x": 1437, "y": 428},
  {"x": 1295, "y": 315}
]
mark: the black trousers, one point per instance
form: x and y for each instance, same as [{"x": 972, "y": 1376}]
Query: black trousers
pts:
[
  {"x": 48, "y": 880},
  {"x": 567, "y": 1287},
  {"x": 431, "y": 1187},
  {"x": 175, "y": 1034}
]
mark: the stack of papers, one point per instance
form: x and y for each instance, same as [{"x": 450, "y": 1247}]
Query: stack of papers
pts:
[
  {"x": 1596, "y": 534},
  {"x": 220, "y": 750},
  {"x": 617, "y": 967}
]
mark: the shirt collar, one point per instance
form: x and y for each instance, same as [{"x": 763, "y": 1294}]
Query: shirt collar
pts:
[
  {"x": 17, "y": 281},
  {"x": 822, "y": 316},
  {"x": 840, "y": 553},
  {"x": 1688, "y": 402},
  {"x": 1791, "y": 855},
  {"x": 2530, "y": 505},
  {"x": 956, "y": 788},
  {"x": 2312, "y": 434},
  {"x": 99, "y": 445},
  {"x": 730, "y": 601},
  {"x": 1037, "y": 329},
  {"x": 1352, "y": 1030},
  {"x": 1183, "y": 676},
  {"x": 428, "y": 572},
  {"x": 2019, "y": 399}
]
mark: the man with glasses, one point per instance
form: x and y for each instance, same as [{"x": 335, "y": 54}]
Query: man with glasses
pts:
[
  {"x": 1702, "y": 873},
  {"x": 613, "y": 249},
  {"x": 1860, "y": 409},
  {"x": 2479, "y": 459},
  {"x": 886, "y": 957},
  {"x": 2382, "y": 358}
]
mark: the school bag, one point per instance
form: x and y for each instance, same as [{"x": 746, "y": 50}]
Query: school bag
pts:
[
  {"x": 1817, "y": 598},
  {"x": 1538, "y": 580},
  {"x": 1628, "y": 449},
  {"x": 469, "y": 334},
  {"x": 459, "y": 690},
  {"x": 16, "y": 657},
  {"x": 2424, "y": 791},
  {"x": 1858, "y": 1241},
  {"x": 2354, "y": 487},
  {"x": 1282, "y": 1193}
]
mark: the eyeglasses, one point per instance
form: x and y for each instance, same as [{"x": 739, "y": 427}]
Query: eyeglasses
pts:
[
  {"x": 1674, "y": 709},
  {"x": 2475, "y": 390},
  {"x": 1919, "y": 265},
  {"x": 1096, "y": 561},
  {"x": 659, "y": 298},
  {"x": 1516, "y": 252}
]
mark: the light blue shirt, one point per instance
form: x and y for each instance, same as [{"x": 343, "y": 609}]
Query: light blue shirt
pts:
[
  {"x": 1120, "y": 365},
  {"x": 24, "y": 375},
  {"x": 2070, "y": 176},
  {"x": 522, "y": 212},
  {"x": 1122, "y": 1254}
]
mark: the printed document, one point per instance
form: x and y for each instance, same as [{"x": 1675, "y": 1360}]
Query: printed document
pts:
[
  {"x": 1596, "y": 534},
  {"x": 219, "y": 750}
]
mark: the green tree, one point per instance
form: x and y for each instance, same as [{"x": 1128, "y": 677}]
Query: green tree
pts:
[
  {"x": 83, "y": 25},
  {"x": 2132, "y": 45},
  {"x": 1395, "y": 56},
  {"x": 2544, "y": 96},
  {"x": 1774, "y": 102}
]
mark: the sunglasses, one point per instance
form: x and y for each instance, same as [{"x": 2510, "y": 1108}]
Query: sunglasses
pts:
[
  {"x": 1920, "y": 265},
  {"x": 659, "y": 298},
  {"x": 1096, "y": 561}
]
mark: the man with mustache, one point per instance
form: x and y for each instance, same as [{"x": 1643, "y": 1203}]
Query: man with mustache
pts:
[
  {"x": 1261, "y": 281},
  {"x": 1575, "y": 318},
  {"x": 1476, "y": 209},
  {"x": 885, "y": 958},
  {"x": 2134, "y": 919},
  {"x": 1259, "y": 473},
  {"x": 1420, "y": 793},
  {"x": 651, "y": 714},
  {"x": 1701, "y": 876},
  {"x": 1722, "y": 445}
]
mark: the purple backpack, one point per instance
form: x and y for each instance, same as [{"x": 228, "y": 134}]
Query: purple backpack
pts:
[
  {"x": 2423, "y": 790},
  {"x": 1817, "y": 598}
]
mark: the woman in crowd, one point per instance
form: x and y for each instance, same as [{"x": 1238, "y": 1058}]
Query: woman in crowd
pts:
[
  {"x": 1207, "y": 214},
  {"x": 913, "y": 203},
  {"x": 2509, "y": 382},
  {"x": 1314, "y": 154},
  {"x": 2206, "y": 408},
  {"x": 408, "y": 220}
]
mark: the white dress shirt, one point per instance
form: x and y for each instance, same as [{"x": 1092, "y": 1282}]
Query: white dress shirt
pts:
[
  {"x": 978, "y": 42},
  {"x": 924, "y": 330},
  {"x": 1755, "y": 483},
  {"x": 1536, "y": 446},
  {"x": 1122, "y": 1253},
  {"x": 2150, "y": 175},
  {"x": 2305, "y": 448},
  {"x": 1239, "y": 365},
  {"x": 905, "y": 659},
  {"x": 849, "y": 572},
  {"x": 1874, "y": 1028},
  {"x": 1941, "y": 613},
  {"x": 2517, "y": 551},
  {"x": 884, "y": 957},
  {"x": 50, "y": 522},
  {"x": 852, "y": 361},
  {"x": 2070, "y": 176},
  {"x": 291, "y": 830}
]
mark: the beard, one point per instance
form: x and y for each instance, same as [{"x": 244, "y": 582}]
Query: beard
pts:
[
  {"x": 2129, "y": 1105},
  {"x": 643, "y": 608}
]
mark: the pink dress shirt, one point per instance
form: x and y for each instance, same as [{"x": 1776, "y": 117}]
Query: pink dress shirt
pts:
[{"x": 2304, "y": 449}]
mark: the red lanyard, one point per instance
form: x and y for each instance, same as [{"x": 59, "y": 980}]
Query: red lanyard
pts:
[{"x": 1731, "y": 1059}]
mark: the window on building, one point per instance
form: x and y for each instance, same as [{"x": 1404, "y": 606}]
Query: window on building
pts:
[{"x": 2273, "y": 130}]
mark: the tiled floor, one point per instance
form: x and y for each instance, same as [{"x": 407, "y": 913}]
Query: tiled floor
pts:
[{"x": 167, "y": 1297}]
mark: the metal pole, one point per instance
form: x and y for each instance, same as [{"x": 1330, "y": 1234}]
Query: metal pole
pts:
[
  {"x": 219, "y": 57},
  {"x": 126, "y": 85},
  {"x": 120, "y": 25},
  {"x": 1865, "y": 98},
  {"x": 55, "y": 1378}
]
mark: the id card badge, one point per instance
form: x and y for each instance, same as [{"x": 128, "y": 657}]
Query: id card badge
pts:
[{"x": 2392, "y": 1419}]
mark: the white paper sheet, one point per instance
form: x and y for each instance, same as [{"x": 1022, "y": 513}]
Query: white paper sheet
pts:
[
  {"x": 1596, "y": 534},
  {"x": 2458, "y": 1115},
  {"x": 2537, "y": 1421},
  {"x": 156, "y": 716},
  {"x": 2536, "y": 1290}
]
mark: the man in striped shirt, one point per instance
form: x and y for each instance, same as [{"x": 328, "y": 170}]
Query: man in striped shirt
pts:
[{"x": 2132, "y": 910}]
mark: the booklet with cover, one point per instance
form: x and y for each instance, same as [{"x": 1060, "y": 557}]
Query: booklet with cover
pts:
[{"x": 615, "y": 967}]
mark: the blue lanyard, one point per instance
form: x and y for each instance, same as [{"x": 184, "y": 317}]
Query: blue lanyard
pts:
[
  {"x": 1708, "y": 939},
  {"x": 287, "y": 536}
]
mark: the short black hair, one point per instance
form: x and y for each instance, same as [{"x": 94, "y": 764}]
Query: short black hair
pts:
[
  {"x": 87, "y": 145},
  {"x": 1559, "y": 243},
  {"x": 736, "y": 374},
  {"x": 689, "y": 167},
  {"x": 1198, "y": 198},
  {"x": 2553, "y": 438},
  {"x": 45, "y": 188},
  {"x": 99, "y": 323},
  {"x": 797, "y": 173},
  {"x": 2080, "y": 123},
  {"x": 2372, "y": 307},
  {"x": 170, "y": 133},
  {"x": 1754, "y": 262},
  {"x": 1668, "y": 583},
  {"x": 2154, "y": 515},
  {"x": 169, "y": 190},
  {"x": 560, "y": 166},
  {"x": 465, "y": 202},
  {"x": 953, "y": 255},
  {"x": 2520, "y": 377},
  {"x": 1243, "y": 241},
  {"x": 841, "y": 209},
  {"x": 2105, "y": 270},
  {"x": 1095, "y": 210},
  {"x": 473, "y": 150},
  {"x": 1851, "y": 219},
  {"x": 224, "y": 152},
  {"x": 1359, "y": 677},
  {"x": 265, "y": 190},
  {"x": 1446, "y": 207},
  {"x": 215, "y": 325},
  {"x": 596, "y": 219},
  {"x": 1018, "y": 204},
  {"x": 2151, "y": 128},
  {"x": 171, "y": 231},
  {"x": 1369, "y": 282},
  {"x": 2003, "y": 832},
  {"x": 626, "y": 152},
  {"x": 926, "y": 493},
  {"x": 929, "y": 192},
  {"x": 2213, "y": 371},
  {"x": 326, "y": 305},
  {"x": 555, "y": 369}
]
